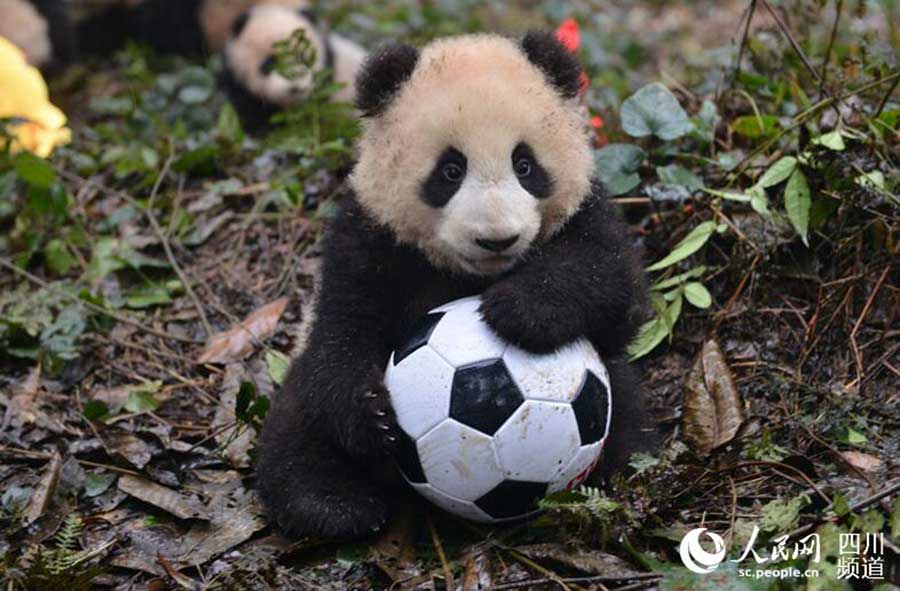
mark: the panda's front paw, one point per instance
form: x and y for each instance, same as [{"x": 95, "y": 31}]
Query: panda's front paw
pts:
[
  {"x": 518, "y": 318},
  {"x": 377, "y": 436}
]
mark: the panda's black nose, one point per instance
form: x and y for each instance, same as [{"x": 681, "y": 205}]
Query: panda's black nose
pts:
[{"x": 496, "y": 245}]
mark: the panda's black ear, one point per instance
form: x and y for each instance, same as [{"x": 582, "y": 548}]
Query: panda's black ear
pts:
[
  {"x": 382, "y": 75},
  {"x": 310, "y": 15},
  {"x": 239, "y": 23},
  {"x": 561, "y": 67}
]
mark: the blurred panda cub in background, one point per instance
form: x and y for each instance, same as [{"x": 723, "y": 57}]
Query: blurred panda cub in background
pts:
[
  {"x": 40, "y": 28},
  {"x": 244, "y": 31},
  {"x": 252, "y": 82}
]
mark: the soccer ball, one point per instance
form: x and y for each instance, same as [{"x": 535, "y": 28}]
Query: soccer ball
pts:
[{"x": 488, "y": 429}]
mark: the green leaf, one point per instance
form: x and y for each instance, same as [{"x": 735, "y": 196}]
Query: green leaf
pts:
[
  {"x": 679, "y": 279},
  {"x": 652, "y": 333},
  {"x": 755, "y": 127},
  {"x": 35, "y": 171},
  {"x": 840, "y": 507},
  {"x": 95, "y": 410},
  {"x": 688, "y": 246},
  {"x": 146, "y": 296},
  {"x": 777, "y": 173},
  {"x": 277, "y": 363},
  {"x": 730, "y": 195},
  {"x": 194, "y": 95},
  {"x": 759, "y": 201},
  {"x": 833, "y": 141},
  {"x": 617, "y": 166},
  {"x": 96, "y": 484},
  {"x": 895, "y": 520},
  {"x": 854, "y": 437},
  {"x": 797, "y": 202},
  {"x": 58, "y": 257},
  {"x": 679, "y": 176},
  {"x": 781, "y": 516},
  {"x": 140, "y": 397},
  {"x": 697, "y": 294},
  {"x": 654, "y": 110},
  {"x": 872, "y": 521},
  {"x": 872, "y": 180},
  {"x": 229, "y": 125}
]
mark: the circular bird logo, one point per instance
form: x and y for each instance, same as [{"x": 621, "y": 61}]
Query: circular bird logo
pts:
[{"x": 695, "y": 558}]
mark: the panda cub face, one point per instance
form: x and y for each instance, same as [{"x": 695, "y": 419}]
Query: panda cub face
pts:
[
  {"x": 250, "y": 53},
  {"x": 473, "y": 150}
]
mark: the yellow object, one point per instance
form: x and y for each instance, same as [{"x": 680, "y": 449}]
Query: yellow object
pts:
[{"x": 23, "y": 95}]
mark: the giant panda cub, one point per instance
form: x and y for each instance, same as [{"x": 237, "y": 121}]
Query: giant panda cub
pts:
[
  {"x": 255, "y": 88},
  {"x": 474, "y": 177},
  {"x": 40, "y": 28}
]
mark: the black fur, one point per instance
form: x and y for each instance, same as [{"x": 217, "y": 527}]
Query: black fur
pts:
[
  {"x": 561, "y": 68},
  {"x": 538, "y": 182},
  {"x": 59, "y": 26},
  {"x": 237, "y": 27},
  {"x": 437, "y": 190},
  {"x": 326, "y": 445},
  {"x": 165, "y": 25},
  {"x": 382, "y": 75},
  {"x": 255, "y": 113}
]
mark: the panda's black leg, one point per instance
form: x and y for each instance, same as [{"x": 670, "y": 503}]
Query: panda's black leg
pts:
[
  {"x": 310, "y": 487},
  {"x": 631, "y": 429}
]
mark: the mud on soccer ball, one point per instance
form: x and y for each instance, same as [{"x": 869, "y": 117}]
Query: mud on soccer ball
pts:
[{"x": 487, "y": 429}]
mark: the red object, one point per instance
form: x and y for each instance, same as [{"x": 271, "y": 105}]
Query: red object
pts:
[
  {"x": 568, "y": 35},
  {"x": 597, "y": 122}
]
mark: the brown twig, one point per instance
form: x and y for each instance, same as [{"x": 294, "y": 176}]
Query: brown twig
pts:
[
  {"x": 886, "y": 98},
  {"x": 839, "y": 9},
  {"x": 799, "y": 51},
  {"x": 780, "y": 466},
  {"x": 740, "y": 56},
  {"x": 439, "y": 548},
  {"x": 853, "y": 344},
  {"x": 871, "y": 500},
  {"x": 643, "y": 579}
]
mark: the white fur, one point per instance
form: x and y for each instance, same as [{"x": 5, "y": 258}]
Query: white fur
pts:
[
  {"x": 480, "y": 95},
  {"x": 23, "y": 25},
  {"x": 276, "y": 20}
]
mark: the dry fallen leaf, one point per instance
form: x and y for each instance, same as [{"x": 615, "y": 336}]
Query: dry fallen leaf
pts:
[
  {"x": 238, "y": 342},
  {"x": 179, "y": 505},
  {"x": 578, "y": 557},
  {"x": 864, "y": 462},
  {"x": 44, "y": 490},
  {"x": 24, "y": 394},
  {"x": 712, "y": 405},
  {"x": 135, "y": 450},
  {"x": 477, "y": 572}
]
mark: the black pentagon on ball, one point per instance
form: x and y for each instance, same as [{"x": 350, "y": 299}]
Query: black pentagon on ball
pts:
[
  {"x": 512, "y": 498},
  {"x": 408, "y": 459},
  {"x": 418, "y": 336},
  {"x": 484, "y": 395},
  {"x": 591, "y": 407}
]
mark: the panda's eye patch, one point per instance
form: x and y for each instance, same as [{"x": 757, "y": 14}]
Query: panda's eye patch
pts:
[
  {"x": 453, "y": 172},
  {"x": 533, "y": 177},
  {"x": 522, "y": 167},
  {"x": 445, "y": 178},
  {"x": 267, "y": 66}
]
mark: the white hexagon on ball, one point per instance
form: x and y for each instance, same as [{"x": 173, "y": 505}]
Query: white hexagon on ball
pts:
[
  {"x": 556, "y": 377},
  {"x": 459, "y": 461},
  {"x": 462, "y": 337},
  {"x": 420, "y": 387},
  {"x": 537, "y": 441}
]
